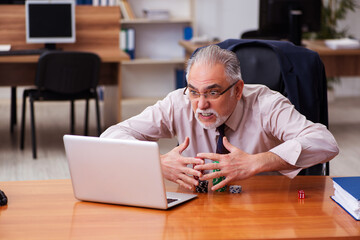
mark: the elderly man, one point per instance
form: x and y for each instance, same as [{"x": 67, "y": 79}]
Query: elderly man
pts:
[{"x": 259, "y": 129}]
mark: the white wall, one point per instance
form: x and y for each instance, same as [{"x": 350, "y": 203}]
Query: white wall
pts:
[
  {"x": 225, "y": 19},
  {"x": 229, "y": 18},
  {"x": 350, "y": 86}
]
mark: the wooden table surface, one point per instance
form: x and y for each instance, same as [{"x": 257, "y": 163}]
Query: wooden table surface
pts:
[{"x": 268, "y": 208}]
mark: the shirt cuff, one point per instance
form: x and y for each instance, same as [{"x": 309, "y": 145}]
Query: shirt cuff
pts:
[{"x": 289, "y": 151}]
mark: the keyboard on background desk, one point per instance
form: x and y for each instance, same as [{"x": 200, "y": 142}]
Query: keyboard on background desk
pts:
[{"x": 23, "y": 52}]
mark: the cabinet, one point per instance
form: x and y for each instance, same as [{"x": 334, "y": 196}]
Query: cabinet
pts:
[{"x": 152, "y": 74}]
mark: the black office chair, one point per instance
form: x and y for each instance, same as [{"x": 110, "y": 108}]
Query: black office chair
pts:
[
  {"x": 63, "y": 76},
  {"x": 13, "y": 114},
  {"x": 296, "y": 72}
]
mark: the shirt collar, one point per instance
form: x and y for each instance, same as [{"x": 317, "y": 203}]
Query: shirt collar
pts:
[{"x": 233, "y": 121}]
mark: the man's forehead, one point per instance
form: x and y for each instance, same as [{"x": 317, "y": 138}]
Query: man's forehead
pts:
[
  {"x": 211, "y": 86},
  {"x": 206, "y": 76}
]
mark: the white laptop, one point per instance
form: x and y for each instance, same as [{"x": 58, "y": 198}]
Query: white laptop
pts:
[{"x": 125, "y": 172}]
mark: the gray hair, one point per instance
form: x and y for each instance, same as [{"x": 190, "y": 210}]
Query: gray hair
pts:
[{"x": 212, "y": 55}]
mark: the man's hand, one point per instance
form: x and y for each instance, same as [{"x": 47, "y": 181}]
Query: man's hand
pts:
[
  {"x": 238, "y": 165},
  {"x": 174, "y": 166}
]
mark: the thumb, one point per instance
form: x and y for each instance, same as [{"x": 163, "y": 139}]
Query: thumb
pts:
[
  {"x": 228, "y": 145},
  {"x": 184, "y": 145}
]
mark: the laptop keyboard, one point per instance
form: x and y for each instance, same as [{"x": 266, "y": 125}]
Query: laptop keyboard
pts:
[{"x": 170, "y": 200}]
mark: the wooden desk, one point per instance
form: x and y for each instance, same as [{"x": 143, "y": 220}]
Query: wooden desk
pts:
[
  {"x": 190, "y": 47},
  {"x": 97, "y": 30},
  {"x": 268, "y": 208},
  {"x": 337, "y": 62},
  {"x": 343, "y": 62}
]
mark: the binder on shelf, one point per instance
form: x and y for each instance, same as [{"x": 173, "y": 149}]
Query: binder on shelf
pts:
[
  {"x": 347, "y": 194},
  {"x": 129, "y": 9},
  {"x": 124, "y": 13},
  {"x": 130, "y": 42},
  {"x": 188, "y": 33},
  {"x": 126, "y": 10},
  {"x": 123, "y": 40},
  {"x": 103, "y": 2},
  {"x": 111, "y": 2}
]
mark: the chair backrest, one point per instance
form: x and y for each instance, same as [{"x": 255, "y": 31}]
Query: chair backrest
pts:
[
  {"x": 260, "y": 65},
  {"x": 296, "y": 72},
  {"x": 302, "y": 75},
  {"x": 67, "y": 72}
]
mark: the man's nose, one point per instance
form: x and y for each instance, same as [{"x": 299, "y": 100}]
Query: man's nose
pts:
[{"x": 203, "y": 102}]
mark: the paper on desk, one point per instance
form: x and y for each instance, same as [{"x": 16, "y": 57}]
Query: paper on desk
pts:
[
  {"x": 5, "y": 47},
  {"x": 343, "y": 43}
]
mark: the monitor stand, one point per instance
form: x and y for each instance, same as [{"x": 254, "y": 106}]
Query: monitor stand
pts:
[
  {"x": 295, "y": 31},
  {"x": 51, "y": 47}
]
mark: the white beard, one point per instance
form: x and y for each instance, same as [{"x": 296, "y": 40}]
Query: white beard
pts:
[{"x": 219, "y": 120}]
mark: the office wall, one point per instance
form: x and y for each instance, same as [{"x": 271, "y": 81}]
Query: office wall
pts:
[
  {"x": 350, "y": 86},
  {"x": 225, "y": 19},
  {"x": 229, "y": 18}
]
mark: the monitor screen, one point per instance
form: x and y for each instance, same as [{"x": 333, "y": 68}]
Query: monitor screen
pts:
[
  {"x": 50, "y": 21},
  {"x": 274, "y": 16}
]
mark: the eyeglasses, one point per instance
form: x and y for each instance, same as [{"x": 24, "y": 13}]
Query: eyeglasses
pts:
[{"x": 211, "y": 94}]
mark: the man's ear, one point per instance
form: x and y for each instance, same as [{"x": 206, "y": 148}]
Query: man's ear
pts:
[{"x": 239, "y": 89}]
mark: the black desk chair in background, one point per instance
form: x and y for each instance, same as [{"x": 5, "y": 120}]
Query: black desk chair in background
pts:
[
  {"x": 296, "y": 72},
  {"x": 13, "y": 114},
  {"x": 63, "y": 76}
]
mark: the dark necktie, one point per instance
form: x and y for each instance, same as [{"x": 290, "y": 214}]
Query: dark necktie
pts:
[
  {"x": 221, "y": 150},
  {"x": 220, "y": 146}
]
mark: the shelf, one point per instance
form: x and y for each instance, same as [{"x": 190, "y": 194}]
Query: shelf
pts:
[
  {"x": 159, "y": 57},
  {"x": 153, "y": 21},
  {"x": 146, "y": 61}
]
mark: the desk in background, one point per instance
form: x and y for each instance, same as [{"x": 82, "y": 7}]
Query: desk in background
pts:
[
  {"x": 97, "y": 30},
  {"x": 268, "y": 208},
  {"x": 337, "y": 62}
]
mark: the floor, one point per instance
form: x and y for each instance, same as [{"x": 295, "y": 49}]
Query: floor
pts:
[{"x": 52, "y": 122}]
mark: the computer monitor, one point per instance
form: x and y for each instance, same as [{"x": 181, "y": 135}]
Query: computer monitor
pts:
[
  {"x": 289, "y": 18},
  {"x": 50, "y": 22}
]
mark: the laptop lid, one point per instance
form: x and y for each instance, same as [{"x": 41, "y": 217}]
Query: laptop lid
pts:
[{"x": 126, "y": 172}]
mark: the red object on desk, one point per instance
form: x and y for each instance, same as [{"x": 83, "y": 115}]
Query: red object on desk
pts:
[{"x": 301, "y": 194}]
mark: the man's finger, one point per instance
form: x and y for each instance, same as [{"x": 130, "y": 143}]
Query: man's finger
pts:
[
  {"x": 211, "y": 156},
  {"x": 188, "y": 180},
  {"x": 211, "y": 175},
  {"x": 207, "y": 166},
  {"x": 192, "y": 172},
  {"x": 183, "y": 184},
  {"x": 192, "y": 161},
  {"x": 220, "y": 184}
]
